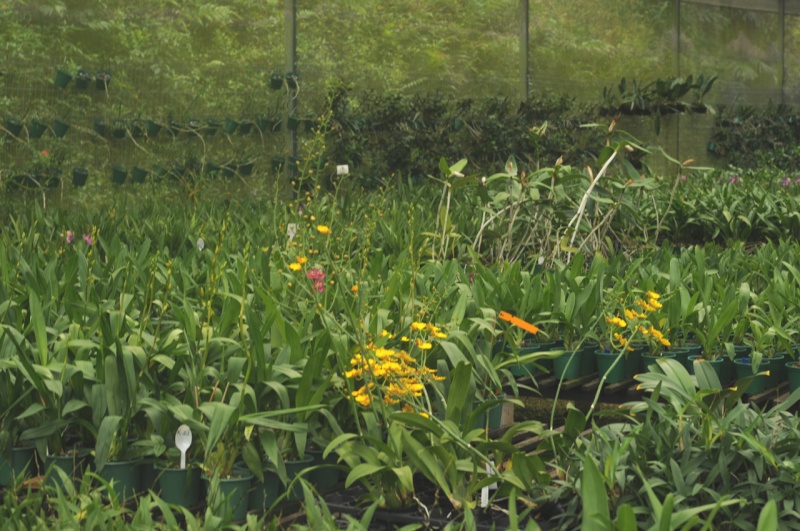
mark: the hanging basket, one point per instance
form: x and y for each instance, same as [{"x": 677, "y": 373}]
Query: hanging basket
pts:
[
  {"x": 275, "y": 81},
  {"x": 139, "y": 174},
  {"x": 102, "y": 80},
  {"x": 62, "y": 78},
  {"x": 118, "y": 174},
  {"x": 230, "y": 126},
  {"x": 152, "y": 128},
  {"x": 36, "y": 128},
  {"x": 99, "y": 126},
  {"x": 79, "y": 176},
  {"x": 14, "y": 126},
  {"x": 82, "y": 79},
  {"x": 60, "y": 128}
]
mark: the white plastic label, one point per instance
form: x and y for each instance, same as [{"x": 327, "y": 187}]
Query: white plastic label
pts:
[
  {"x": 342, "y": 169},
  {"x": 291, "y": 230}
]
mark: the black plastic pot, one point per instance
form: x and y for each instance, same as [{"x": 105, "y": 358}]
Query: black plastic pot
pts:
[
  {"x": 292, "y": 123},
  {"x": 211, "y": 127},
  {"x": 36, "y": 128},
  {"x": 246, "y": 168},
  {"x": 62, "y": 78},
  {"x": 291, "y": 80},
  {"x": 267, "y": 125},
  {"x": 79, "y": 176},
  {"x": 245, "y": 126},
  {"x": 137, "y": 129},
  {"x": 102, "y": 80},
  {"x": 118, "y": 174},
  {"x": 229, "y": 170},
  {"x": 152, "y": 128},
  {"x": 159, "y": 171},
  {"x": 230, "y": 126},
  {"x": 211, "y": 169},
  {"x": 193, "y": 124},
  {"x": 82, "y": 78},
  {"x": 139, "y": 174},
  {"x": 99, "y": 126},
  {"x": 14, "y": 126},
  {"x": 275, "y": 81},
  {"x": 119, "y": 129},
  {"x": 60, "y": 128}
]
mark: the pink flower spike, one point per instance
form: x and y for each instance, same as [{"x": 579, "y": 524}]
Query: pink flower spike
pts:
[
  {"x": 88, "y": 239},
  {"x": 316, "y": 273},
  {"x": 70, "y": 237},
  {"x": 319, "y": 286}
]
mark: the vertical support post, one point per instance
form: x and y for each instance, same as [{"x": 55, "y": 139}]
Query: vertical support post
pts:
[
  {"x": 782, "y": 14},
  {"x": 524, "y": 59},
  {"x": 290, "y": 21},
  {"x": 677, "y": 22}
]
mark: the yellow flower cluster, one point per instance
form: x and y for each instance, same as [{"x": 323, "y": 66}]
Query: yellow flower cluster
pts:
[
  {"x": 640, "y": 323},
  {"x": 391, "y": 373}
]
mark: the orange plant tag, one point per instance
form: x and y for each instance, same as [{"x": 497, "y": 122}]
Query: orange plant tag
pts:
[{"x": 516, "y": 321}]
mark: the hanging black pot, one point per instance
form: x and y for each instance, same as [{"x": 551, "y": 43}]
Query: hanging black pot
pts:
[
  {"x": 79, "y": 176},
  {"x": 210, "y": 169},
  {"x": 102, "y": 80},
  {"x": 292, "y": 123},
  {"x": 152, "y": 128},
  {"x": 245, "y": 168},
  {"x": 62, "y": 78},
  {"x": 211, "y": 127},
  {"x": 174, "y": 127},
  {"x": 245, "y": 126},
  {"x": 277, "y": 163},
  {"x": 60, "y": 128},
  {"x": 159, "y": 172},
  {"x": 267, "y": 125},
  {"x": 118, "y": 129},
  {"x": 99, "y": 126},
  {"x": 275, "y": 81},
  {"x": 139, "y": 174},
  {"x": 118, "y": 174},
  {"x": 308, "y": 122},
  {"x": 230, "y": 126},
  {"x": 193, "y": 124},
  {"x": 14, "y": 126},
  {"x": 291, "y": 80},
  {"x": 82, "y": 78},
  {"x": 137, "y": 129},
  {"x": 36, "y": 128},
  {"x": 229, "y": 169},
  {"x": 52, "y": 179}
]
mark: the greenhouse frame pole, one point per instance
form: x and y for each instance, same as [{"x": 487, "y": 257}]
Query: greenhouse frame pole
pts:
[
  {"x": 524, "y": 59},
  {"x": 782, "y": 9},
  {"x": 290, "y": 20}
]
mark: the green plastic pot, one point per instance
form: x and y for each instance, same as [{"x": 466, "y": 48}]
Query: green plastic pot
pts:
[
  {"x": 491, "y": 418},
  {"x": 119, "y": 129},
  {"x": 123, "y": 476},
  {"x": 326, "y": 476},
  {"x": 606, "y": 366},
  {"x": 681, "y": 354},
  {"x": 568, "y": 365},
  {"x": 744, "y": 368},
  {"x": 715, "y": 364},
  {"x": 235, "y": 490},
  {"x": 293, "y": 123},
  {"x": 293, "y": 469},
  {"x": 793, "y": 375},
  {"x": 647, "y": 360},
  {"x": 245, "y": 126},
  {"x": 62, "y": 78},
  {"x": 264, "y": 493},
  {"x": 588, "y": 358},
  {"x": 776, "y": 366},
  {"x": 211, "y": 127},
  {"x": 18, "y": 465},
  {"x": 72, "y": 465},
  {"x": 99, "y": 126},
  {"x": 178, "y": 486}
]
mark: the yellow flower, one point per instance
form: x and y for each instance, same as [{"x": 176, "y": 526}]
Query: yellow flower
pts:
[
  {"x": 440, "y": 335},
  {"x": 302, "y": 260},
  {"x": 416, "y": 325},
  {"x": 652, "y": 295},
  {"x": 323, "y": 229},
  {"x": 354, "y": 289},
  {"x": 313, "y": 218},
  {"x": 294, "y": 266},
  {"x": 355, "y": 373},
  {"x": 630, "y": 315},
  {"x": 405, "y": 339},
  {"x": 423, "y": 345},
  {"x": 616, "y": 321},
  {"x": 664, "y": 341},
  {"x": 655, "y": 304}
]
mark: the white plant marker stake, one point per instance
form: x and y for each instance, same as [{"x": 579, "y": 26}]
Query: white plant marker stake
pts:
[
  {"x": 485, "y": 490},
  {"x": 200, "y": 244},
  {"x": 291, "y": 230},
  {"x": 183, "y": 440},
  {"x": 342, "y": 169}
]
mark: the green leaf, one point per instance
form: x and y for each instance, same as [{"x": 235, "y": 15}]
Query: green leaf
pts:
[
  {"x": 362, "y": 470},
  {"x": 38, "y": 322},
  {"x": 768, "y": 519},
  {"x": 220, "y": 423},
  {"x": 626, "y": 518},
  {"x": 596, "y": 514},
  {"x": 105, "y": 438}
]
